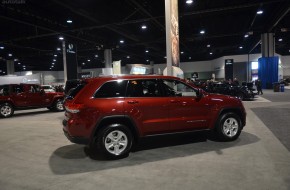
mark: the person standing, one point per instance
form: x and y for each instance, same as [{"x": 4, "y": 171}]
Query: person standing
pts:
[{"x": 258, "y": 84}]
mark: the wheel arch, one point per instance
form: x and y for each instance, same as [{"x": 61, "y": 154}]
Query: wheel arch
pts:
[
  {"x": 116, "y": 120},
  {"x": 237, "y": 111}
]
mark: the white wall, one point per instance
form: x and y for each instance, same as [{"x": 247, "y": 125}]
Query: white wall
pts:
[{"x": 285, "y": 62}]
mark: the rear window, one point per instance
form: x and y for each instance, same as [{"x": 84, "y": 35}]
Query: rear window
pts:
[
  {"x": 112, "y": 89},
  {"x": 71, "y": 94}
]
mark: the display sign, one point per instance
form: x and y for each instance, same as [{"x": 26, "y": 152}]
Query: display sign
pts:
[
  {"x": 71, "y": 59},
  {"x": 194, "y": 75},
  {"x": 229, "y": 69}
]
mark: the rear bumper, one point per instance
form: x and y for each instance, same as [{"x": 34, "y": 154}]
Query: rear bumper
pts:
[{"x": 73, "y": 139}]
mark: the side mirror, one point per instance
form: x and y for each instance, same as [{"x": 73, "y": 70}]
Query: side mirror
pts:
[{"x": 199, "y": 93}]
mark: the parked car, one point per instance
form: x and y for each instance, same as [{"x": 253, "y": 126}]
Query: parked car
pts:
[
  {"x": 26, "y": 96},
  {"x": 110, "y": 114},
  {"x": 48, "y": 88},
  {"x": 242, "y": 92}
]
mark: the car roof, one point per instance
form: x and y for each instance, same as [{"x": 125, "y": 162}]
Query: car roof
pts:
[{"x": 116, "y": 77}]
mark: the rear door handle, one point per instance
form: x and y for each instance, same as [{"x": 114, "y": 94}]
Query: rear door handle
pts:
[
  {"x": 133, "y": 102},
  {"x": 174, "y": 101}
]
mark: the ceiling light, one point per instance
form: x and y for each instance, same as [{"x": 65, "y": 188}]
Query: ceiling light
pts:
[
  {"x": 69, "y": 21},
  {"x": 15, "y": 59},
  {"x": 241, "y": 47},
  {"x": 128, "y": 57},
  {"x": 147, "y": 60},
  {"x": 89, "y": 60},
  {"x": 52, "y": 66},
  {"x": 165, "y": 57},
  {"x": 61, "y": 38},
  {"x": 96, "y": 56},
  {"x": 189, "y": 1},
  {"x": 202, "y": 32},
  {"x": 3, "y": 72},
  {"x": 147, "y": 51},
  {"x": 54, "y": 60},
  {"x": 210, "y": 53},
  {"x": 19, "y": 63},
  {"x": 208, "y": 45},
  {"x": 280, "y": 40},
  {"x": 259, "y": 12},
  {"x": 182, "y": 52},
  {"x": 143, "y": 27},
  {"x": 83, "y": 63},
  {"x": 24, "y": 68},
  {"x": 122, "y": 41},
  {"x": 55, "y": 55},
  {"x": 58, "y": 49},
  {"x": 189, "y": 57},
  {"x": 53, "y": 63},
  {"x": 1, "y": 47},
  {"x": 246, "y": 35},
  {"x": 10, "y": 54}
]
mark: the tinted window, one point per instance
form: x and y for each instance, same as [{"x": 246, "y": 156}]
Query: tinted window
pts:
[
  {"x": 17, "y": 89},
  {"x": 112, "y": 89},
  {"x": 74, "y": 91},
  {"x": 143, "y": 88},
  {"x": 177, "y": 88},
  {"x": 4, "y": 90}
]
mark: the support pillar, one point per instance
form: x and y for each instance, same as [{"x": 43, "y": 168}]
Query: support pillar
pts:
[
  {"x": 10, "y": 67},
  {"x": 268, "y": 63},
  {"x": 172, "y": 35},
  {"x": 70, "y": 61},
  {"x": 108, "y": 58},
  {"x": 151, "y": 67}
]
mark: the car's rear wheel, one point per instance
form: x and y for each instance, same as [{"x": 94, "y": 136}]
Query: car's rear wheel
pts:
[
  {"x": 6, "y": 110},
  {"x": 228, "y": 127},
  {"x": 114, "y": 142},
  {"x": 58, "y": 105}
]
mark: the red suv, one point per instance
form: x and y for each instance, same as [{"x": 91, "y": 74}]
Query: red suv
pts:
[
  {"x": 27, "y": 96},
  {"x": 111, "y": 113}
]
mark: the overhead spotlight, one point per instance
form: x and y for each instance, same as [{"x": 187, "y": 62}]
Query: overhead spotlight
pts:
[
  {"x": 182, "y": 52},
  {"x": 19, "y": 63},
  {"x": 96, "y": 56},
  {"x": 208, "y": 45},
  {"x": 147, "y": 51},
  {"x": 246, "y": 35},
  {"x": 189, "y": 57},
  {"x": 69, "y": 21},
  {"x": 143, "y": 27},
  {"x": 147, "y": 60},
  {"x": 52, "y": 63},
  {"x": 280, "y": 39},
  {"x": 122, "y": 41},
  {"x": 241, "y": 47},
  {"x": 54, "y": 60},
  {"x": 15, "y": 59},
  {"x": 55, "y": 55},
  {"x": 58, "y": 49},
  {"x": 259, "y": 12},
  {"x": 165, "y": 57},
  {"x": 10, "y": 54},
  {"x": 128, "y": 57},
  {"x": 1, "y": 47},
  {"x": 210, "y": 53},
  {"x": 61, "y": 38},
  {"x": 52, "y": 66},
  {"x": 24, "y": 68},
  {"x": 202, "y": 32},
  {"x": 83, "y": 63},
  {"x": 89, "y": 60},
  {"x": 189, "y": 1}
]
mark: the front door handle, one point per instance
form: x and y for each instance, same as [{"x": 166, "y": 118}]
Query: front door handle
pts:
[
  {"x": 133, "y": 102},
  {"x": 174, "y": 101}
]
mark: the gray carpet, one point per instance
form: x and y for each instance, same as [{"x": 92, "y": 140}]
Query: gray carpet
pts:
[{"x": 276, "y": 118}]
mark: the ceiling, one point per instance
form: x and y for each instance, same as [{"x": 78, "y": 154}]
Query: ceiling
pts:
[{"x": 30, "y": 30}]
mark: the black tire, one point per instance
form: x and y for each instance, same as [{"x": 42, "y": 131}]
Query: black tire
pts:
[
  {"x": 228, "y": 127},
  {"x": 58, "y": 105},
  {"x": 241, "y": 96},
  {"x": 113, "y": 142},
  {"x": 6, "y": 110}
]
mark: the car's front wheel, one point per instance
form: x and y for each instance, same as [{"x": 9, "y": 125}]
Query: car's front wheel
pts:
[
  {"x": 6, "y": 110},
  {"x": 114, "y": 141},
  {"x": 228, "y": 127}
]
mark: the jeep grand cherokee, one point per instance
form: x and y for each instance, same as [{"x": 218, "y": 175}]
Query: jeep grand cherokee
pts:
[{"x": 111, "y": 113}]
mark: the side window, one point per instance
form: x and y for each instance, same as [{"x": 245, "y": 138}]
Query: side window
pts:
[
  {"x": 4, "y": 90},
  {"x": 177, "y": 88},
  {"x": 143, "y": 88},
  {"x": 112, "y": 89},
  {"x": 17, "y": 89}
]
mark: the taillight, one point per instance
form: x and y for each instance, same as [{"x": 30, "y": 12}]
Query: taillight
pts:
[{"x": 73, "y": 108}]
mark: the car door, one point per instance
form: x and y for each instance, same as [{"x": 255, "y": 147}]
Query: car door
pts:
[
  {"x": 36, "y": 98},
  {"x": 18, "y": 95},
  {"x": 146, "y": 106},
  {"x": 186, "y": 110}
]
